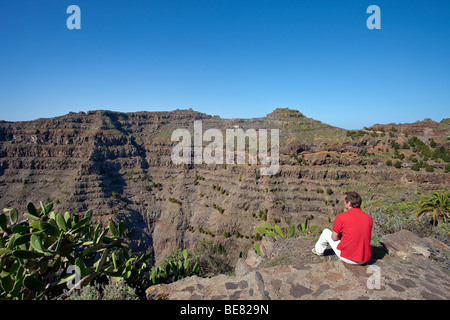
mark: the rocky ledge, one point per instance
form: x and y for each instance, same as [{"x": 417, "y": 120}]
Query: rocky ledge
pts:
[{"x": 406, "y": 267}]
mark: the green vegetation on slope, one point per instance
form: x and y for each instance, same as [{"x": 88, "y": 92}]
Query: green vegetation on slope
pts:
[{"x": 47, "y": 253}]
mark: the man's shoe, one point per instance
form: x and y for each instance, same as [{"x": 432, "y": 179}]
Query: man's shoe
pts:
[{"x": 315, "y": 252}]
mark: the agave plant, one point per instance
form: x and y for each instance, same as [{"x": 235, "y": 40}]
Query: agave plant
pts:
[{"x": 438, "y": 204}]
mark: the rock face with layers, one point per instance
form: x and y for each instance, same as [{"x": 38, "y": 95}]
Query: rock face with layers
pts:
[
  {"x": 119, "y": 165},
  {"x": 416, "y": 276}
]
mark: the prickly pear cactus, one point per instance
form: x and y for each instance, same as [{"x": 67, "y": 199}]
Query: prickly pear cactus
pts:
[{"x": 37, "y": 253}]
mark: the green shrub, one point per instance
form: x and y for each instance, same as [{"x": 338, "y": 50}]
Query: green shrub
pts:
[
  {"x": 394, "y": 144},
  {"x": 116, "y": 195},
  {"x": 114, "y": 290},
  {"x": 218, "y": 208},
  {"x": 263, "y": 214},
  {"x": 420, "y": 147},
  {"x": 211, "y": 258},
  {"x": 393, "y": 214},
  {"x": 442, "y": 153},
  {"x": 173, "y": 200},
  {"x": 433, "y": 143},
  {"x": 398, "y": 155},
  {"x": 428, "y": 167},
  {"x": 197, "y": 178}
]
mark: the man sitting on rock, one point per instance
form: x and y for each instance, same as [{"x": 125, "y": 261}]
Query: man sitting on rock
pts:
[{"x": 350, "y": 238}]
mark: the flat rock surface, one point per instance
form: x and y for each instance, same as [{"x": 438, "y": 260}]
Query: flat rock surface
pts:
[{"x": 293, "y": 272}]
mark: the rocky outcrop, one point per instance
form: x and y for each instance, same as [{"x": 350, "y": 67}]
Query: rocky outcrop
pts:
[
  {"x": 291, "y": 271},
  {"x": 426, "y": 128},
  {"x": 285, "y": 113}
]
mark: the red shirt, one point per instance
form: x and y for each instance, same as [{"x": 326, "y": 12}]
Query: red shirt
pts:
[{"x": 355, "y": 228}]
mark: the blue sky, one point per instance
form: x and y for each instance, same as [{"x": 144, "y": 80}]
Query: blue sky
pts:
[{"x": 235, "y": 59}]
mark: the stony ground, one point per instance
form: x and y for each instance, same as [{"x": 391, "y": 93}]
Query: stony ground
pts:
[{"x": 293, "y": 272}]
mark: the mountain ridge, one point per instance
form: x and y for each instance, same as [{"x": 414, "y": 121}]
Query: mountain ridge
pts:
[{"x": 271, "y": 114}]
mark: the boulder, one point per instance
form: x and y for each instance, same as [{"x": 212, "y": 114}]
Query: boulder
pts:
[
  {"x": 267, "y": 246},
  {"x": 241, "y": 267},
  {"x": 405, "y": 244},
  {"x": 253, "y": 260}
]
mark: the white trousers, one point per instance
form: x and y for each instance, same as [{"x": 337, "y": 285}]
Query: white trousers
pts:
[{"x": 325, "y": 240}]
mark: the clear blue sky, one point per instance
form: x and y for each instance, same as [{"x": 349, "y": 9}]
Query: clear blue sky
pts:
[{"x": 235, "y": 59}]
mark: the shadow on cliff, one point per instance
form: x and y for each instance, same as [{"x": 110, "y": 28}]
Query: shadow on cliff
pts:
[
  {"x": 111, "y": 180},
  {"x": 138, "y": 238}
]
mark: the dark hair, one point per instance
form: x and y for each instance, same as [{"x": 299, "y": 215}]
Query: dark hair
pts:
[{"x": 353, "y": 198}]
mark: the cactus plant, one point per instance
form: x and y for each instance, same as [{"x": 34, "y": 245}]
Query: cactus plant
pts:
[
  {"x": 270, "y": 230},
  {"x": 279, "y": 231},
  {"x": 3, "y": 222},
  {"x": 173, "y": 268},
  {"x": 258, "y": 248},
  {"x": 291, "y": 231},
  {"x": 33, "y": 284},
  {"x": 45, "y": 244}
]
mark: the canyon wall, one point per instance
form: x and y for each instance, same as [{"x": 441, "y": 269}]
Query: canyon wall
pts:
[{"x": 119, "y": 165}]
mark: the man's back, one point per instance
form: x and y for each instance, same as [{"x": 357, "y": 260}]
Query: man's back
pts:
[{"x": 355, "y": 228}]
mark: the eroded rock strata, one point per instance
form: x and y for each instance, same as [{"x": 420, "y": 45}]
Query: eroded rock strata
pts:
[{"x": 119, "y": 165}]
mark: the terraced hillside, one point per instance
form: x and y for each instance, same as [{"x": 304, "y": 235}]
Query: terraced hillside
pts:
[{"x": 119, "y": 165}]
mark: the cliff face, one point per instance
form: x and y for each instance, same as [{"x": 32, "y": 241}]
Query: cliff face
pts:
[{"x": 119, "y": 165}]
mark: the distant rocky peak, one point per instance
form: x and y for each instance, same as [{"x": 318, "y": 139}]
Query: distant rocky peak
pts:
[{"x": 285, "y": 113}]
